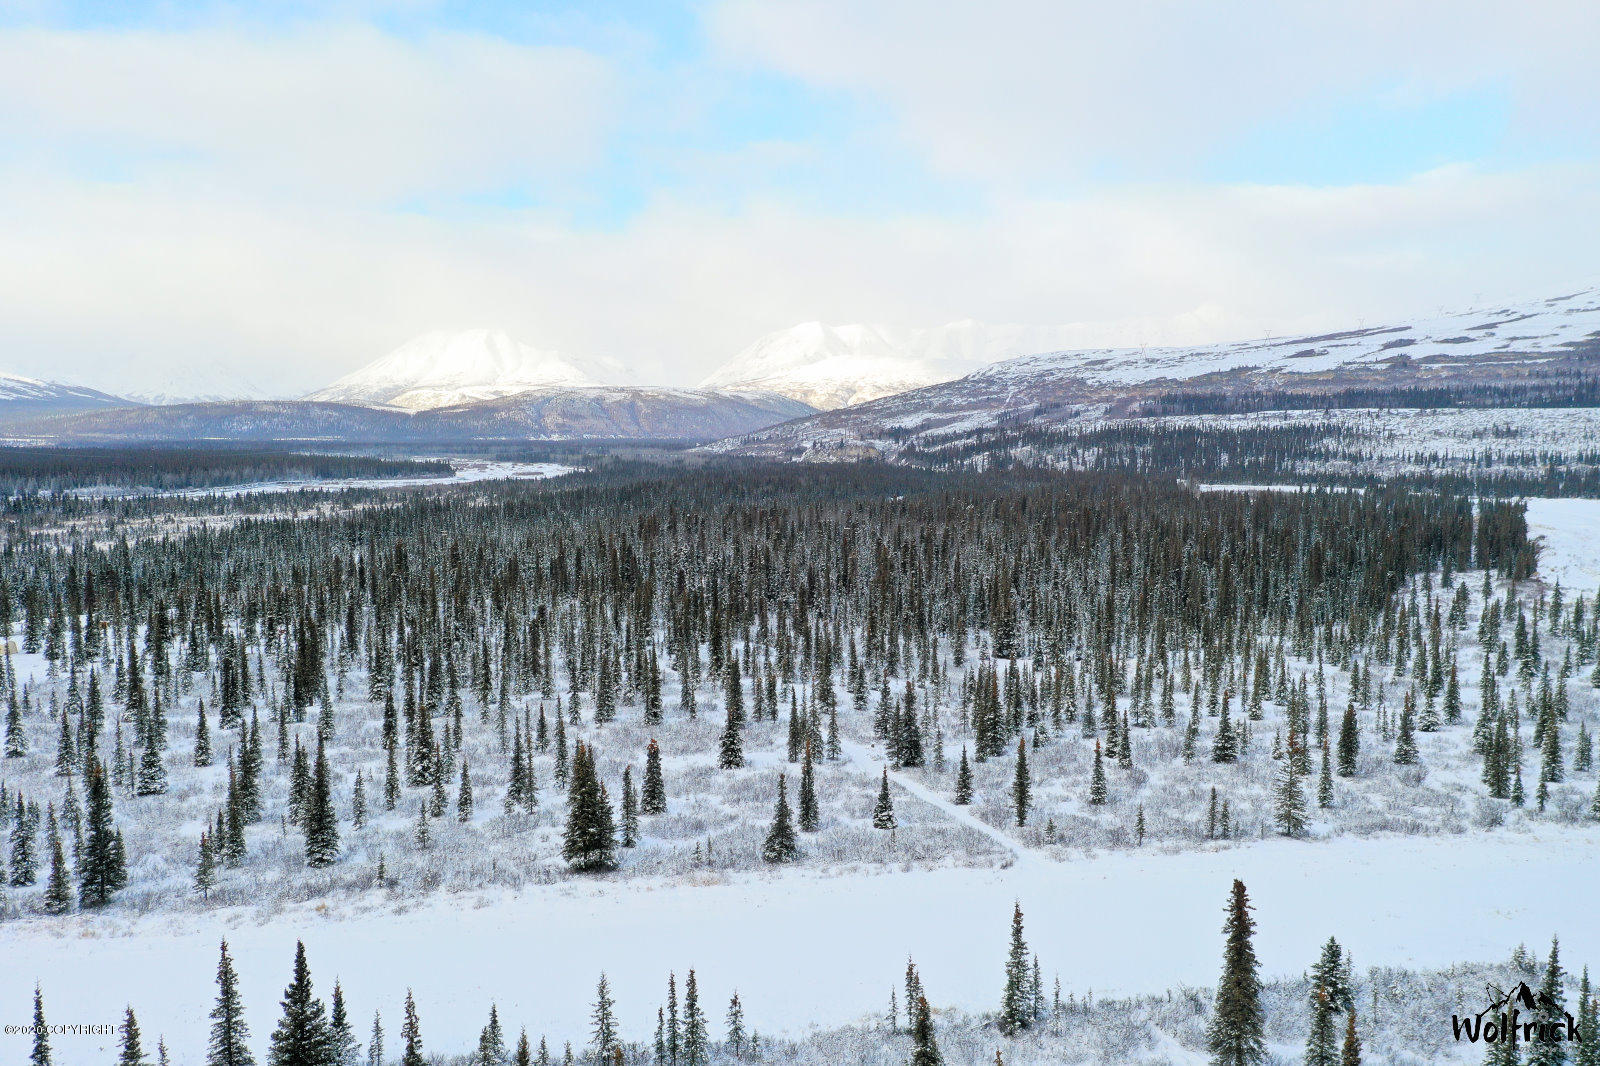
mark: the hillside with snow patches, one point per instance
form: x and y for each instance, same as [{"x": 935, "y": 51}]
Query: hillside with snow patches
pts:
[
  {"x": 838, "y": 366},
  {"x": 446, "y": 369},
  {"x": 1549, "y": 339},
  {"x": 31, "y": 397}
]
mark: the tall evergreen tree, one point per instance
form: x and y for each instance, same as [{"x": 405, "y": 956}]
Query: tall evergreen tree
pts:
[
  {"x": 924, "y": 1047},
  {"x": 1021, "y": 786},
  {"x": 696, "y": 1041},
  {"x": 346, "y": 1049},
  {"x": 132, "y": 1048},
  {"x": 780, "y": 845},
  {"x": 590, "y": 841},
  {"x": 103, "y": 869},
  {"x": 1550, "y": 1012},
  {"x": 1236, "y": 1034},
  {"x": 653, "y": 799},
  {"x": 321, "y": 820},
  {"x": 963, "y": 794},
  {"x": 1016, "y": 1001},
  {"x": 302, "y": 1037},
  {"x": 603, "y": 1021},
  {"x": 810, "y": 814},
  {"x": 411, "y": 1035},
  {"x": 229, "y": 1033},
  {"x": 883, "y": 809},
  {"x": 58, "y": 890},
  {"x": 41, "y": 1032}
]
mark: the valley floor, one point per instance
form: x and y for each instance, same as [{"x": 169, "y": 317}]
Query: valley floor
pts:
[{"x": 822, "y": 948}]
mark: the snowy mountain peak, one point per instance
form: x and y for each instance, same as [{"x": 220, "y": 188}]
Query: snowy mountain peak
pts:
[
  {"x": 444, "y": 368},
  {"x": 839, "y": 366},
  {"x": 18, "y": 393}
]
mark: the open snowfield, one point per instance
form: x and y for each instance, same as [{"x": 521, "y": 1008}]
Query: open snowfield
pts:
[
  {"x": 830, "y": 949},
  {"x": 466, "y": 471}
]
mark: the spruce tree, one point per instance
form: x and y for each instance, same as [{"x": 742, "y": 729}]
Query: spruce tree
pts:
[
  {"x": 202, "y": 737},
  {"x": 1021, "y": 786},
  {"x": 411, "y": 1034},
  {"x": 780, "y": 845},
  {"x": 589, "y": 842},
  {"x": 653, "y": 799},
  {"x": 229, "y": 1033},
  {"x": 1097, "y": 779},
  {"x": 1350, "y": 1051},
  {"x": 1405, "y": 748},
  {"x": 41, "y": 1032},
  {"x": 302, "y": 1037},
  {"x": 1587, "y": 1053},
  {"x": 603, "y": 1020},
  {"x": 963, "y": 794},
  {"x": 810, "y": 815},
  {"x": 883, "y": 810},
  {"x": 103, "y": 869},
  {"x": 736, "y": 1034},
  {"x": 58, "y": 891},
  {"x": 1550, "y": 1013},
  {"x": 696, "y": 1042},
  {"x": 1322, "y": 1041},
  {"x": 1236, "y": 1033},
  {"x": 1289, "y": 806},
  {"x": 731, "y": 753},
  {"x": 464, "y": 795},
  {"x": 132, "y": 1050},
  {"x": 630, "y": 809},
  {"x": 346, "y": 1049},
  {"x": 1016, "y": 1001},
  {"x": 1349, "y": 742},
  {"x": 322, "y": 822},
  {"x": 924, "y": 1048}
]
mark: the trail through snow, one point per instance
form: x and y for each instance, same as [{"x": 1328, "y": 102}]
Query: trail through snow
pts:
[{"x": 862, "y": 755}]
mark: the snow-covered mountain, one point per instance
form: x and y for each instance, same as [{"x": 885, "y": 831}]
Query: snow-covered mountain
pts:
[
  {"x": 1548, "y": 340},
  {"x": 838, "y": 366},
  {"x": 445, "y": 369},
  {"x": 197, "y": 384},
  {"x": 29, "y": 397}
]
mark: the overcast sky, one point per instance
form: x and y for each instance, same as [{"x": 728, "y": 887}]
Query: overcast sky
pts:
[{"x": 282, "y": 192}]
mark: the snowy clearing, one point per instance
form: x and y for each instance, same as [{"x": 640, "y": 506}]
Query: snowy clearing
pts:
[{"x": 805, "y": 951}]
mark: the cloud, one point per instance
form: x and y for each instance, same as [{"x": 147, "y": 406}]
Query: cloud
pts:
[
  {"x": 1020, "y": 91},
  {"x": 342, "y": 112},
  {"x": 288, "y": 204},
  {"x": 110, "y": 284}
]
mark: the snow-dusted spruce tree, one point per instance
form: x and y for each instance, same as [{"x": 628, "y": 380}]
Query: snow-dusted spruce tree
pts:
[
  {"x": 1016, "y": 1001},
  {"x": 590, "y": 841},
  {"x": 883, "y": 809},
  {"x": 780, "y": 844},
  {"x": 1236, "y": 1035},
  {"x": 230, "y": 1036}
]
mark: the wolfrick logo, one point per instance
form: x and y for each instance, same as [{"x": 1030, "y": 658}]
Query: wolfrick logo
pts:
[{"x": 1504, "y": 1020}]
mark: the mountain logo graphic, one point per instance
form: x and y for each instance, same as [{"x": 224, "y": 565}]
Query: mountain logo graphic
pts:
[{"x": 1517, "y": 1015}]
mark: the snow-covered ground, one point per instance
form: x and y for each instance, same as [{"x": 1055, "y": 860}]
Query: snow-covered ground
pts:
[
  {"x": 1534, "y": 327},
  {"x": 465, "y": 471},
  {"x": 1569, "y": 532},
  {"x": 822, "y": 946},
  {"x": 807, "y": 951}
]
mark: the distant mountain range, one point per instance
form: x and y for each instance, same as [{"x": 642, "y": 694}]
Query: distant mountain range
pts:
[
  {"x": 1556, "y": 339},
  {"x": 600, "y": 413},
  {"x": 837, "y": 366},
  {"x": 444, "y": 369},
  {"x": 818, "y": 389},
  {"x": 22, "y": 397}
]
